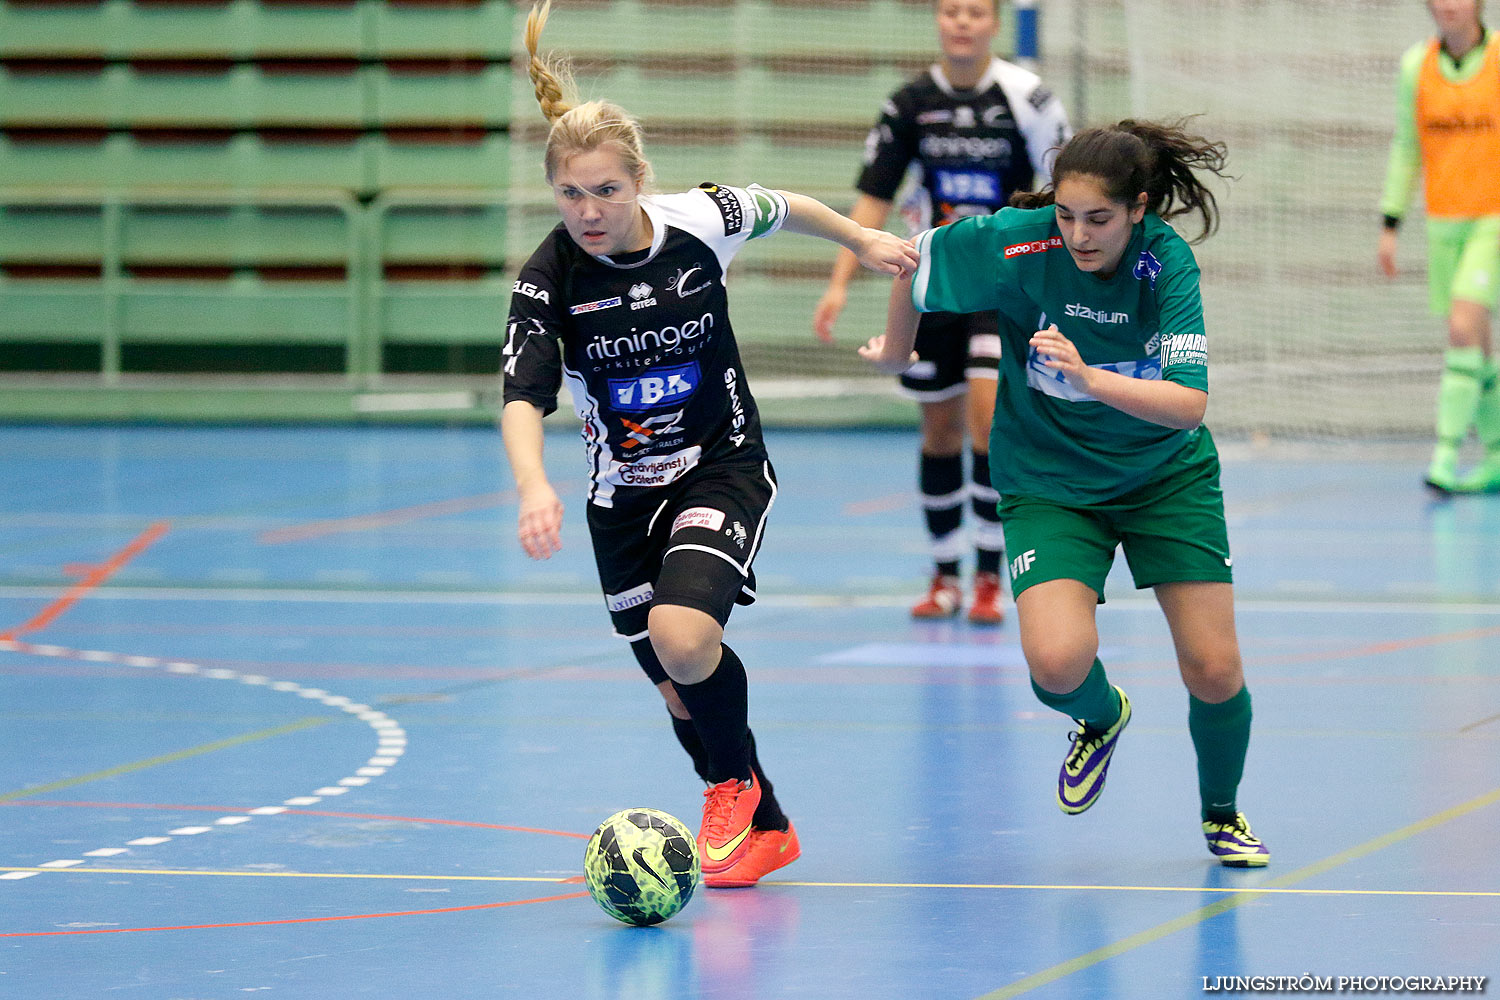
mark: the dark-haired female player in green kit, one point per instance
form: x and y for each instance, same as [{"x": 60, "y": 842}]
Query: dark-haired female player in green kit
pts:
[{"x": 1097, "y": 437}]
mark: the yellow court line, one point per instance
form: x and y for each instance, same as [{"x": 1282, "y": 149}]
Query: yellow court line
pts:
[
  {"x": 805, "y": 885},
  {"x": 1238, "y": 898},
  {"x": 176, "y": 872},
  {"x": 141, "y": 765}
]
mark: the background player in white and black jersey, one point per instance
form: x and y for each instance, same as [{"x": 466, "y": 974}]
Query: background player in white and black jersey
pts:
[
  {"x": 626, "y": 300},
  {"x": 965, "y": 135}
]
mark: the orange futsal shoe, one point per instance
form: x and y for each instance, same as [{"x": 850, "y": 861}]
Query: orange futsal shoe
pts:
[
  {"x": 986, "y": 608},
  {"x": 942, "y": 601},
  {"x": 724, "y": 837},
  {"x": 768, "y": 851}
]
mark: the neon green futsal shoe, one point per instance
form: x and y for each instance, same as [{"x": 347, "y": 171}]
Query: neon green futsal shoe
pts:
[
  {"x": 1442, "y": 473},
  {"x": 1484, "y": 477},
  {"x": 1082, "y": 776},
  {"x": 1234, "y": 845}
]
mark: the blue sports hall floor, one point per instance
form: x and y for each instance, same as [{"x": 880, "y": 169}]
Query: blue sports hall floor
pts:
[{"x": 286, "y": 711}]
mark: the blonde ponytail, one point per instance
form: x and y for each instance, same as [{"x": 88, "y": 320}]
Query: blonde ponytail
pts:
[
  {"x": 552, "y": 78},
  {"x": 578, "y": 127}
]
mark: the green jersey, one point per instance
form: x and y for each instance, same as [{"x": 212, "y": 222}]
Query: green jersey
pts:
[{"x": 1049, "y": 439}]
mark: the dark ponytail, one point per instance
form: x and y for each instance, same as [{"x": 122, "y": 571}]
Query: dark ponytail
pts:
[{"x": 1134, "y": 156}]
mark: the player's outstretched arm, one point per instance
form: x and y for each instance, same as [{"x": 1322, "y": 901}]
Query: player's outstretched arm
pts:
[
  {"x": 869, "y": 211},
  {"x": 539, "y": 526},
  {"x": 1159, "y": 402},
  {"x": 874, "y": 248},
  {"x": 891, "y": 352}
]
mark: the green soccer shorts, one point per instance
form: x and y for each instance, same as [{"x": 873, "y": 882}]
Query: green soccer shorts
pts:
[
  {"x": 1463, "y": 262},
  {"x": 1171, "y": 528}
]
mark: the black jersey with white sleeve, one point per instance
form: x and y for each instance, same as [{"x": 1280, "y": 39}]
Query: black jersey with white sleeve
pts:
[
  {"x": 970, "y": 150},
  {"x": 644, "y": 342}
]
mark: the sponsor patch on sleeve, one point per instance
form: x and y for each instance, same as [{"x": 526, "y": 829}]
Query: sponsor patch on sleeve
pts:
[
  {"x": 729, "y": 207},
  {"x": 698, "y": 517},
  {"x": 1039, "y": 98}
]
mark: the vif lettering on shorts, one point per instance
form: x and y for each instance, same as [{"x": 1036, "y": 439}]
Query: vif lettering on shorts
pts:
[{"x": 1022, "y": 563}]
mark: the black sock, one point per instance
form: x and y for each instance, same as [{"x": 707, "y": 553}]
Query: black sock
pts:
[
  {"x": 989, "y": 536},
  {"x": 768, "y": 815},
  {"x": 687, "y": 735},
  {"x": 941, "y": 481},
  {"x": 720, "y": 707}
]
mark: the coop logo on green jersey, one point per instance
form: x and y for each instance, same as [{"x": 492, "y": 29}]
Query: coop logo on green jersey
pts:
[{"x": 1184, "y": 349}]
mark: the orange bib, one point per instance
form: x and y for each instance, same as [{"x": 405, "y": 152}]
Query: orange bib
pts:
[{"x": 1458, "y": 126}]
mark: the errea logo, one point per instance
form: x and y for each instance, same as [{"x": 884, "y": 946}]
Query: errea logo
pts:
[{"x": 641, "y": 294}]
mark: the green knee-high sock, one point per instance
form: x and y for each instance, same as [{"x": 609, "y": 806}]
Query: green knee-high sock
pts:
[
  {"x": 1095, "y": 702},
  {"x": 1487, "y": 414},
  {"x": 1221, "y": 735},
  {"x": 1459, "y": 392}
]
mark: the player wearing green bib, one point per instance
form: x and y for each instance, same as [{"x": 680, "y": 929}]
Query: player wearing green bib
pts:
[{"x": 1098, "y": 437}]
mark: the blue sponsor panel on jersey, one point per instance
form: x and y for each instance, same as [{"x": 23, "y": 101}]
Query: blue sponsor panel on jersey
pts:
[
  {"x": 656, "y": 387},
  {"x": 1053, "y": 382},
  {"x": 967, "y": 185}
]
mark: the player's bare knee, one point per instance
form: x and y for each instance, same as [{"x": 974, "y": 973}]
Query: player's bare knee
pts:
[
  {"x": 686, "y": 641},
  {"x": 1059, "y": 668},
  {"x": 1213, "y": 679}
]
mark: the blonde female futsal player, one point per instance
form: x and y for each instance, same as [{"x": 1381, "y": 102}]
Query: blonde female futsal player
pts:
[{"x": 626, "y": 300}]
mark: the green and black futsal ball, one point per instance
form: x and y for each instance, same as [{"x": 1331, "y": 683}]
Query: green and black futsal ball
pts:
[{"x": 641, "y": 866}]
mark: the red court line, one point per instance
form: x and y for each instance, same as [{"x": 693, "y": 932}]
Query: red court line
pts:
[
  {"x": 383, "y": 519},
  {"x": 298, "y": 920},
  {"x": 299, "y": 812},
  {"x": 97, "y": 575}
]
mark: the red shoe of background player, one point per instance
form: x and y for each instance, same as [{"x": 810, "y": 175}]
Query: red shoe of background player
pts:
[
  {"x": 986, "y": 608},
  {"x": 943, "y": 599}
]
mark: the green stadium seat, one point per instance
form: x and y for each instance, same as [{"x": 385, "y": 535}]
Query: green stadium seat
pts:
[
  {"x": 434, "y": 28},
  {"x": 436, "y": 92}
]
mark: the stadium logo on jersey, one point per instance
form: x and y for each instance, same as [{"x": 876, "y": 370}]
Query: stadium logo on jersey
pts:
[
  {"x": 595, "y": 306},
  {"x": 641, "y": 293},
  {"x": 1147, "y": 267},
  {"x": 668, "y": 338},
  {"x": 652, "y": 427},
  {"x": 1082, "y": 311},
  {"x": 1184, "y": 349},
  {"x": 934, "y": 117},
  {"x": 729, "y": 207},
  {"x": 963, "y": 117},
  {"x": 967, "y": 185},
  {"x": 632, "y": 598},
  {"x": 679, "y": 283},
  {"x": 531, "y": 291},
  {"x": 658, "y": 470},
  {"x": 1035, "y": 246},
  {"x": 698, "y": 517},
  {"x": 656, "y": 388}
]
